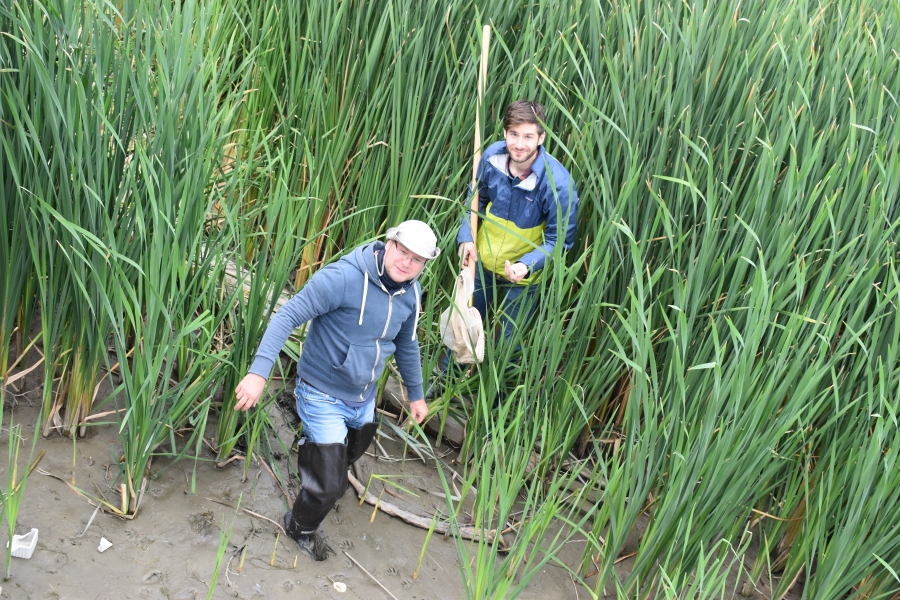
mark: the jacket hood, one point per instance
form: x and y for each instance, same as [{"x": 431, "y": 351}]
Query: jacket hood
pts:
[{"x": 363, "y": 258}]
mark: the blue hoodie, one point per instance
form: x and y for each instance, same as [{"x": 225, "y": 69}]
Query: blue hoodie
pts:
[{"x": 356, "y": 326}]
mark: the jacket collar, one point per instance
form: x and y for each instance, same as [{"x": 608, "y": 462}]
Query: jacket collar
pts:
[{"x": 538, "y": 167}]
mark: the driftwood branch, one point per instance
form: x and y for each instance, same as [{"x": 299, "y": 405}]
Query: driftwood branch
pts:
[
  {"x": 396, "y": 397},
  {"x": 442, "y": 527}
]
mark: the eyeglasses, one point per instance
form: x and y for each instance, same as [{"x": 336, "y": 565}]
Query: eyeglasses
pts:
[{"x": 407, "y": 255}]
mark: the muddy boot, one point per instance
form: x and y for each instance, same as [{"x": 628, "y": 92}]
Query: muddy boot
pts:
[
  {"x": 358, "y": 441},
  {"x": 311, "y": 543},
  {"x": 323, "y": 477}
]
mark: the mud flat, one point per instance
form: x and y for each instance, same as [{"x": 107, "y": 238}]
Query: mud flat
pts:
[{"x": 169, "y": 549}]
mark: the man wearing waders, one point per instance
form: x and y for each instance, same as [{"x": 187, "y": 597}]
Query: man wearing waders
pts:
[{"x": 362, "y": 309}]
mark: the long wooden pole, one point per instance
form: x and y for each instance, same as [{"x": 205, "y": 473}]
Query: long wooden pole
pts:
[{"x": 482, "y": 77}]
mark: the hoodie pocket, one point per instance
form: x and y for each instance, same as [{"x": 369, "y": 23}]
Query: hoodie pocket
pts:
[{"x": 359, "y": 367}]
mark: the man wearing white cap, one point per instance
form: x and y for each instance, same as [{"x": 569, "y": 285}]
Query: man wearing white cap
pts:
[{"x": 362, "y": 309}]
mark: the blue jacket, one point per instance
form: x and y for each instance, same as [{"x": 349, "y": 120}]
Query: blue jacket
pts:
[
  {"x": 356, "y": 326},
  {"x": 524, "y": 218}
]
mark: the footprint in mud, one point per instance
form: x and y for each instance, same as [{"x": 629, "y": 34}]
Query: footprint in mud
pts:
[
  {"x": 346, "y": 544},
  {"x": 135, "y": 537},
  {"x": 201, "y": 522},
  {"x": 406, "y": 583},
  {"x": 336, "y": 520},
  {"x": 348, "y": 563},
  {"x": 160, "y": 491},
  {"x": 394, "y": 572},
  {"x": 153, "y": 577}
]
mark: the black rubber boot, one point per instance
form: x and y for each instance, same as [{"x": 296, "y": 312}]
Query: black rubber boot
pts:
[
  {"x": 311, "y": 543},
  {"x": 358, "y": 441},
  {"x": 323, "y": 477}
]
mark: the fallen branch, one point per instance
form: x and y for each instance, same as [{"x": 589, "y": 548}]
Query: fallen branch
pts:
[
  {"x": 442, "y": 527},
  {"x": 395, "y": 396}
]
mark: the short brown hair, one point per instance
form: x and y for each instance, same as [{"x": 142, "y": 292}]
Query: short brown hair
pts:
[{"x": 522, "y": 112}]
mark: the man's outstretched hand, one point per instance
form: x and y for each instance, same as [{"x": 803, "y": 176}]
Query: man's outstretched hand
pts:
[
  {"x": 418, "y": 410},
  {"x": 248, "y": 391}
]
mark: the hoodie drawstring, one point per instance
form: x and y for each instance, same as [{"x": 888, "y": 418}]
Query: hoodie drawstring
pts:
[
  {"x": 365, "y": 293},
  {"x": 418, "y": 310}
]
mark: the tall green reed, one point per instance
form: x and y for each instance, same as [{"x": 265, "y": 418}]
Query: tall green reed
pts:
[
  {"x": 62, "y": 192},
  {"x": 724, "y": 216},
  {"x": 126, "y": 250}
]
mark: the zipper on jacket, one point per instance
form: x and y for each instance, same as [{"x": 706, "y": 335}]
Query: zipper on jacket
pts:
[
  {"x": 383, "y": 333},
  {"x": 372, "y": 380},
  {"x": 387, "y": 324}
]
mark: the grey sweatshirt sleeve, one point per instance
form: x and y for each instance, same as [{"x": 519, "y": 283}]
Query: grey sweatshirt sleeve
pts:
[
  {"x": 408, "y": 359},
  {"x": 321, "y": 294}
]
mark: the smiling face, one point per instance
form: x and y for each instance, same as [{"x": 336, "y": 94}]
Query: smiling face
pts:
[
  {"x": 522, "y": 143},
  {"x": 400, "y": 263}
]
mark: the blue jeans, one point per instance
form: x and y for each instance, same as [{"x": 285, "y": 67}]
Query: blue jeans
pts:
[{"x": 326, "y": 418}]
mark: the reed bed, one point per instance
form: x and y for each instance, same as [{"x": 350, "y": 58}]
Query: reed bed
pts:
[{"x": 715, "y": 361}]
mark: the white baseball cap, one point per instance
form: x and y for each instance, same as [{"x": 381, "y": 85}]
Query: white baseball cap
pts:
[{"x": 417, "y": 236}]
